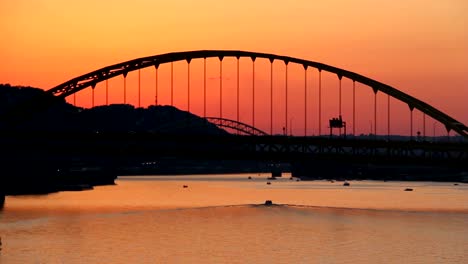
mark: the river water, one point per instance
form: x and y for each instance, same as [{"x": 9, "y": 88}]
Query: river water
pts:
[{"x": 217, "y": 219}]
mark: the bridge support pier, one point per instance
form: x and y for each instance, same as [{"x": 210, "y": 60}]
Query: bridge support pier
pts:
[
  {"x": 276, "y": 171},
  {"x": 321, "y": 169}
]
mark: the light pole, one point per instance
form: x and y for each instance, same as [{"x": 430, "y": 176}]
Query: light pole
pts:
[{"x": 433, "y": 131}]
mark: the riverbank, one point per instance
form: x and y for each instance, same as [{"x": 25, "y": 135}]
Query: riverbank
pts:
[
  {"x": 42, "y": 181},
  {"x": 329, "y": 170}
]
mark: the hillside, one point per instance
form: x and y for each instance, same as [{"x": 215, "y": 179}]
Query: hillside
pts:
[{"x": 63, "y": 117}]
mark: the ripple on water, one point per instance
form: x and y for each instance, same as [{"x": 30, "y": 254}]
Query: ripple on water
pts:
[{"x": 223, "y": 221}]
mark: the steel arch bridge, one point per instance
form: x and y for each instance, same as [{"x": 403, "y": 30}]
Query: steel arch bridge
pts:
[
  {"x": 91, "y": 79},
  {"x": 240, "y": 127}
]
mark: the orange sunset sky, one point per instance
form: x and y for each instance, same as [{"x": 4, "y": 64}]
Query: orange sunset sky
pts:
[{"x": 417, "y": 46}]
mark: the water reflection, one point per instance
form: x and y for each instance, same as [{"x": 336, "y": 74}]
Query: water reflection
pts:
[{"x": 215, "y": 220}]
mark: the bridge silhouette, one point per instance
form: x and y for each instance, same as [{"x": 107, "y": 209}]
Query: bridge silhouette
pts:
[
  {"x": 247, "y": 142},
  {"x": 90, "y": 80}
]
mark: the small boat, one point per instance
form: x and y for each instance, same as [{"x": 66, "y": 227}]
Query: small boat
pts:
[
  {"x": 346, "y": 184},
  {"x": 268, "y": 202},
  {"x": 249, "y": 178},
  {"x": 408, "y": 189},
  {"x": 268, "y": 183},
  {"x": 185, "y": 186},
  {"x": 271, "y": 178},
  {"x": 456, "y": 184}
]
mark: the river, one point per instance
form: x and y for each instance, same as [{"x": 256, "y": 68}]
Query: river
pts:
[{"x": 218, "y": 219}]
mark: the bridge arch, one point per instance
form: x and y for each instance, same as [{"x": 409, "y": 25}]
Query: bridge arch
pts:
[
  {"x": 91, "y": 79},
  {"x": 237, "y": 126}
]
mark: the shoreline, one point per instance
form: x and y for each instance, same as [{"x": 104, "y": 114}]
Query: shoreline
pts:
[{"x": 45, "y": 189}]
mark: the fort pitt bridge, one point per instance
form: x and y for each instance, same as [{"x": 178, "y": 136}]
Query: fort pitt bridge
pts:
[{"x": 260, "y": 123}]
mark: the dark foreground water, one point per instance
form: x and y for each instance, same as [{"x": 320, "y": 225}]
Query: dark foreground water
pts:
[{"x": 215, "y": 220}]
